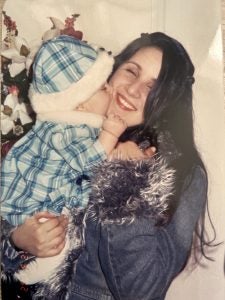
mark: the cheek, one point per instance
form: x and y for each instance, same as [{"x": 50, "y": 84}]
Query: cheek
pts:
[
  {"x": 113, "y": 83},
  {"x": 117, "y": 79},
  {"x": 134, "y": 119},
  {"x": 140, "y": 104}
]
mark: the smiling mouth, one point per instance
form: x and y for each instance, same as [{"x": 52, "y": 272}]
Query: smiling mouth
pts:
[{"x": 124, "y": 104}]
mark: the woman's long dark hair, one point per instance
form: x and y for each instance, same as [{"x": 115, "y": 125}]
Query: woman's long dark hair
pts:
[{"x": 169, "y": 108}]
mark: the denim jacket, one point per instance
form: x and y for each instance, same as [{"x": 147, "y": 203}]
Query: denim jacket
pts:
[{"x": 138, "y": 261}]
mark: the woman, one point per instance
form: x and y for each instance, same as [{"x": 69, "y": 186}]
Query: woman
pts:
[{"x": 138, "y": 258}]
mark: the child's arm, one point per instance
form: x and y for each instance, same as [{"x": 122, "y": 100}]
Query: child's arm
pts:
[
  {"x": 112, "y": 128},
  {"x": 129, "y": 150}
]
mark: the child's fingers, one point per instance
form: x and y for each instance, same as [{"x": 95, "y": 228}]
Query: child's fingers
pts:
[
  {"x": 51, "y": 224},
  {"x": 117, "y": 118},
  {"x": 54, "y": 250},
  {"x": 43, "y": 214},
  {"x": 149, "y": 152}
]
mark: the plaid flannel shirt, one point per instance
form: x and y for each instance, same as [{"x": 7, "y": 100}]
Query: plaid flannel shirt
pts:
[{"x": 42, "y": 170}]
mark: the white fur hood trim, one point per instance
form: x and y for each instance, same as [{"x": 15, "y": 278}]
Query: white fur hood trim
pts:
[{"x": 78, "y": 92}]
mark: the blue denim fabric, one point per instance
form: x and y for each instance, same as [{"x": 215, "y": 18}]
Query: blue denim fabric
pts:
[
  {"x": 89, "y": 270},
  {"x": 138, "y": 261}
]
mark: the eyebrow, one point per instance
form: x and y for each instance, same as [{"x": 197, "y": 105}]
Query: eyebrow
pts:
[{"x": 134, "y": 63}]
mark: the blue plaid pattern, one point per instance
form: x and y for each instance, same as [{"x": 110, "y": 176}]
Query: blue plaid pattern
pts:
[
  {"x": 61, "y": 62},
  {"x": 41, "y": 170}
]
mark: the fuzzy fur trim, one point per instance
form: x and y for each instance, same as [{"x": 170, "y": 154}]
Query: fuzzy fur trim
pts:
[
  {"x": 78, "y": 92},
  {"x": 42, "y": 268},
  {"x": 72, "y": 118},
  {"x": 126, "y": 190}
]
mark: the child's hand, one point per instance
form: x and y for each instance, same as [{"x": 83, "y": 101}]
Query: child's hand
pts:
[
  {"x": 130, "y": 150},
  {"x": 114, "y": 125},
  {"x": 112, "y": 128}
]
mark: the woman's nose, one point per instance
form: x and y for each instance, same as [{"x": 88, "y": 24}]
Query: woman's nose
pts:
[{"x": 134, "y": 89}]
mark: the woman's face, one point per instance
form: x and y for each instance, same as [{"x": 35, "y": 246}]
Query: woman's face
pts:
[{"x": 132, "y": 82}]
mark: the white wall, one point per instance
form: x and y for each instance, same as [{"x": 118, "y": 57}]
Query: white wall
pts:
[
  {"x": 113, "y": 23},
  {"x": 110, "y": 23},
  {"x": 197, "y": 25}
]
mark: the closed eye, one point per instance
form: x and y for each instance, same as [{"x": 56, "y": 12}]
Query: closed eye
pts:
[
  {"x": 151, "y": 85},
  {"x": 131, "y": 71}
]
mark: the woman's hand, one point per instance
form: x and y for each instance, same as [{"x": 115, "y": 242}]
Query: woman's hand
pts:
[
  {"x": 42, "y": 239},
  {"x": 130, "y": 150}
]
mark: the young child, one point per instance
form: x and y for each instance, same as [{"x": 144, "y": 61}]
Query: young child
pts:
[{"x": 46, "y": 169}]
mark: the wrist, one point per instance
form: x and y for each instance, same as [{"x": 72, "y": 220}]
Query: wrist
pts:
[
  {"x": 108, "y": 141},
  {"x": 111, "y": 133}
]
